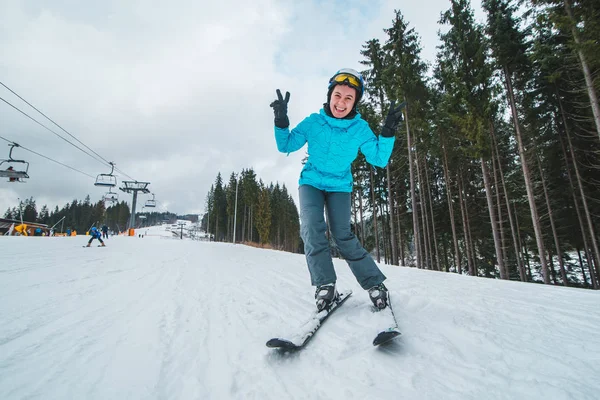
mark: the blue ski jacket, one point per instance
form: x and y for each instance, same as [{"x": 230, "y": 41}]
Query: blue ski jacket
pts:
[
  {"x": 95, "y": 233},
  {"x": 333, "y": 145}
]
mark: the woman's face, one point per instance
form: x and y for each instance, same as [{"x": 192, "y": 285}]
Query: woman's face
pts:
[{"x": 342, "y": 100}]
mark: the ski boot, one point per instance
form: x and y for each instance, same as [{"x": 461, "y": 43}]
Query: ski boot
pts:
[
  {"x": 379, "y": 296},
  {"x": 103, "y": 245},
  {"x": 88, "y": 245},
  {"x": 325, "y": 296}
]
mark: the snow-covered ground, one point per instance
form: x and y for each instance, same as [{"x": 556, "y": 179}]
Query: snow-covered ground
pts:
[{"x": 162, "y": 318}]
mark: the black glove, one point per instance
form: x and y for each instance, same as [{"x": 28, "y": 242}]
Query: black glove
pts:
[
  {"x": 280, "y": 110},
  {"x": 393, "y": 119}
]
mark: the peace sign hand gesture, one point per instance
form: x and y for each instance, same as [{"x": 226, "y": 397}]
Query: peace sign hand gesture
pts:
[{"x": 280, "y": 110}]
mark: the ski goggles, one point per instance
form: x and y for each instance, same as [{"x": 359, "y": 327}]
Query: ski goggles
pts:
[{"x": 347, "y": 78}]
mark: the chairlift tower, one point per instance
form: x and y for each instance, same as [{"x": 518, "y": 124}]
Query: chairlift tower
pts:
[{"x": 134, "y": 187}]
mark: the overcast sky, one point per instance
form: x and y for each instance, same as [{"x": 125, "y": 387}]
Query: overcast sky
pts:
[{"x": 174, "y": 92}]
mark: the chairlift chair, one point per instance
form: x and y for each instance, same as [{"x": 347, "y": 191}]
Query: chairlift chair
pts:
[
  {"x": 107, "y": 180},
  {"x": 150, "y": 203},
  {"x": 111, "y": 196},
  {"x": 10, "y": 172}
]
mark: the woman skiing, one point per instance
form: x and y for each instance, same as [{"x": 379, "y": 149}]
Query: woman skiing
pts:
[{"x": 334, "y": 137}]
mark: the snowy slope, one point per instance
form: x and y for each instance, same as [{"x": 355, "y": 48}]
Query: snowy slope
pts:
[{"x": 162, "y": 318}]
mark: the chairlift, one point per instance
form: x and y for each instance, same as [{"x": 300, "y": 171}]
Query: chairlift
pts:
[
  {"x": 107, "y": 180},
  {"x": 13, "y": 175},
  {"x": 150, "y": 203},
  {"x": 111, "y": 197}
]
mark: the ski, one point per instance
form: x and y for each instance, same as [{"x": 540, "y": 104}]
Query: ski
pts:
[
  {"x": 307, "y": 330},
  {"x": 392, "y": 331}
]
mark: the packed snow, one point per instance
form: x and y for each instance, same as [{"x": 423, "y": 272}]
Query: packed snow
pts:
[{"x": 156, "y": 317}]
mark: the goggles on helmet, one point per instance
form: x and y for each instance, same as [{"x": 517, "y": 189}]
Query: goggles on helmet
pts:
[{"x": 348, "y": 76}]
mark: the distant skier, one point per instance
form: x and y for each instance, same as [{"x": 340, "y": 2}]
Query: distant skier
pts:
[
  {"x": 95, "y": 234},
  {"x": 104, "y": 232},
  {"x": 334, "y": 137}
]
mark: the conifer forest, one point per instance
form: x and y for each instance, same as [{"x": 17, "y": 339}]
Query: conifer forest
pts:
[{"x": 496, "y": 167}]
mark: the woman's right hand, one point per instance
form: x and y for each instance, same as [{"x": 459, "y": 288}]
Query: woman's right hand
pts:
[{"x": 280, "y": 110}]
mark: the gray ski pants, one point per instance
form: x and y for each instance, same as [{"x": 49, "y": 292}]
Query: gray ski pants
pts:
[{"x": 316, "y": 246}]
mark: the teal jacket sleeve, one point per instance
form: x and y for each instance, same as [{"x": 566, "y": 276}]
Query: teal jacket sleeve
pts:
[
  {"x": 377, "y": 150},
  {"x": 290, "y": 141}
]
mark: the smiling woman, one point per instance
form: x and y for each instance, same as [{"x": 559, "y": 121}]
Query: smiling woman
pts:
[
  {"x": 335, "y": 136},
  {"x": 342, "y": 101}
]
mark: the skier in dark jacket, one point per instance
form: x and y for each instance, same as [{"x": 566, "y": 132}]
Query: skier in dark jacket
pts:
[
  {"x": 104, "y": 232},
  {"x": 334, "y": 137},
  {"x": 95, "y": 234}
]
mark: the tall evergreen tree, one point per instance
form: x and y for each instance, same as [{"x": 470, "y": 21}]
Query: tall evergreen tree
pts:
[{"x": 263, "y": 214}]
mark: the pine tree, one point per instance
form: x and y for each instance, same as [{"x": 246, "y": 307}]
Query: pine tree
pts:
[
  {"x": 405, "y": 75},
  {"x": 263, "y": 214},
  {"x": 8, "y": 214},
  {"x": 220, "y": 209}
]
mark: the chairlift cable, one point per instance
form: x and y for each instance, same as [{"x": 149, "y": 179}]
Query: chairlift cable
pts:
[
  {"x": 123, "y": 173},
  {"x": 51, "y": 120},
  {"x": 44, "y": 126},
  {"x": 48, "y": 158}
]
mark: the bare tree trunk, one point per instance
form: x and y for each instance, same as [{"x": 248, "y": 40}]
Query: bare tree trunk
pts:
[
  {"x": 491, "y": 209},
  {"x": 528, "y": 184},
  {"x": 582, "y": 268},
  {"x": 521, "y": 245},
  {"x": 526, "y": 252},
  {"x": 434, "y": 235},
  {"x": 465, "y": 224},
  {"x": 413, "y": 197},
  {"x": 589, "y": 83},
  {"x": 401, "y": 238},
  {"x": 375, "y": 229},
  {"x": 563, "y": 272},
  {"x": 471, "y": 242},
  {"x": 588, "y": 217},
  {"x": 352, "y": 201},
  {"x": 498, "y": 206},
  {"x": 384, "y": 233},
  {"x": 363, "y": 233},
  {"x": 551, "y": 266},
  {"x": 520, "y": 266},
  {"x": 424, "y": 219},
  {"x": 590, "y": 262},
  {"x": 451, "y": 210},
  {"x": 391, "y": 217},
  {"x": 244, "y": 224}
]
